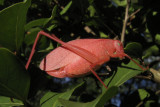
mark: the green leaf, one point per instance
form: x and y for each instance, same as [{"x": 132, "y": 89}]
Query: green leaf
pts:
[
  {"x": 123, "y": 74},
  {"x": 140, "y": 95},
  {"x": 54, "y": 12},
  {"x": 92, "y": 10},
  {"x": 98, "y": 102},
  {"x": 31, "y": 36},
  {"x": 14, "y": 79},
  {"x": 143, "y": 94},
  {"x": 9, "y": 102},
  {"x": 157, "y": 39},
  {"x": 148, "y": 35},
  {"x": 13, "y": 20},
  {"x": 66, "y": 8},
  {"x": 67, "y": 103},
  {"x": 52, "y": 98},
  {"x": 103, "y": 35},
  {"x": 153, "y": 50},
  {"x": 150, "y": 103},
  {"x": 120, "y": 2},
  {"x": 134, "y": 49},
  {"x": 105, "y": 96},
  {"x": 35, "y": 23},
  {"x": 43, "y": 22},
  {"x": 50, "y": 21},
  {"x": 1, "y": 2},
  {"x": 147, "y": 97}
]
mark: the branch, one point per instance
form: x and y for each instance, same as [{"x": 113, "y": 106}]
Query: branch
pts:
[
  {"x": 139, "y": 104},
  {"x": 125, "y": 22},
  {"x": 110, "y": 29}
]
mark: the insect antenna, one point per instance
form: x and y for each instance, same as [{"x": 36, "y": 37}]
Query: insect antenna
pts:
[{"x": 144, "y": 69}]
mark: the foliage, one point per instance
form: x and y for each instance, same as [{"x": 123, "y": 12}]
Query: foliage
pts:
[{"x": 20, "y": 22}]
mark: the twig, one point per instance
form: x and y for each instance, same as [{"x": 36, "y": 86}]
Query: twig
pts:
[
  {"x": 134, "y": 13},
  {"x": 157, "y": 92},
  {"x": 89, "y": 30},
  {"x": 103, "y": 74},
  {"x": 144, "y": 77},
  {"x": 155, "y": 76},
  {"x": 139, "y": 104},
  {"x": 125, "y": 22},
  {"x": 110, "y": 29}
]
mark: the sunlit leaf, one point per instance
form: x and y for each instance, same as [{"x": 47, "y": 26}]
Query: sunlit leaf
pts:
[
  {"x": 92, "y": 10},
  {"x": 124, "y": 73},
  {"x": 120, "y": 2},
  {"x": 98, "y": 102},
  {"x": 103, "y": 35},
  {"x": 66, "y": 8},
  {"x": 52, "y": 98},
  {"x": 143, "y": 94},
  {"x": 9, "y": 102}
]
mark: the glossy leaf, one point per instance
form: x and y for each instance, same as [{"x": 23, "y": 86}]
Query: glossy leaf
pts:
[
  {"x": 14, "y": 79},
  {"x": 124, "y": 73},
  {"x": 35, "y": 23},
  {"x": 105, "y": 96},
  {"x": 67, "y": 103},
  {"x": 98, "y": 102},
  {"x": 13, "y": 20},
  {"x": 134, "y": 49},
  {"x": 31, "y": 36},
  {"x": 52, "y": 98}
]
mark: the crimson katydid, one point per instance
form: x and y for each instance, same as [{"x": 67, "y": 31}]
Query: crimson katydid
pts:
[{"x": 79, "y": 57}]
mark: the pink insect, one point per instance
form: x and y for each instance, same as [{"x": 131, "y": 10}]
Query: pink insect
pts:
[{"x": 79, "y": 57}]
